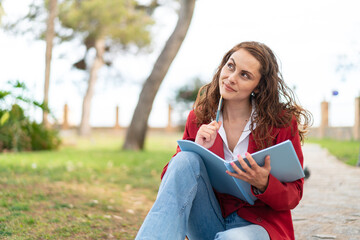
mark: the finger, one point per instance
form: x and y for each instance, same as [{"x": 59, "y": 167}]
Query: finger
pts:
[
  {"x": 235, "y": 175},
  {"x": 245, "y": 166},
  {"x": 267, "y": 165},
  {"x": 208, "y": 126},
  {"x": 218, "y": 125},
  {"x": 212, "y": 127},
  {"x": 237, "y": 169},
  {"x": 251, "y": 161},
  {"x": 211, "y": 132},
  {"x": 212, "y": 124},
  {"x": 215, "y": 124},
  {"x": 205, "y": 135}
]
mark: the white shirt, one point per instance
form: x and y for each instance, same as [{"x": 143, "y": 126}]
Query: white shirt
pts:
[{"x": 243, "y": 143}]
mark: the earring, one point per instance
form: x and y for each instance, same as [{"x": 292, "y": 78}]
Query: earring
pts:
[{"x": 253, "y": 94}]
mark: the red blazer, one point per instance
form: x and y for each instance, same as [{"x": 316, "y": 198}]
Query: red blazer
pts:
[{"x": 272, "y": 209}]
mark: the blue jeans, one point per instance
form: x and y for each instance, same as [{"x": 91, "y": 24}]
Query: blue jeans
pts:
[{"x": 186, "y": 206}]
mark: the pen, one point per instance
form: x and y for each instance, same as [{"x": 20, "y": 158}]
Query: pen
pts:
[{"x": 219, "y": 108}]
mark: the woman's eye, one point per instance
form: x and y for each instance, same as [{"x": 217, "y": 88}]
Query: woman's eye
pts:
[
  {"x": 245, "y": 75},
  {"x": 230, "y": 66}
]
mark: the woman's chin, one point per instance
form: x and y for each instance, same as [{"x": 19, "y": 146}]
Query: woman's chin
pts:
[{"x": 226, "y": 95}]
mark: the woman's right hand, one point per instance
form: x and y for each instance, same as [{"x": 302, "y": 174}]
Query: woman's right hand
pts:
[{"x": 207, "y": 134}]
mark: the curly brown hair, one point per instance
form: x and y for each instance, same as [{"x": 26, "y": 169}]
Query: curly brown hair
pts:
[{"x": 274, "y": 101}]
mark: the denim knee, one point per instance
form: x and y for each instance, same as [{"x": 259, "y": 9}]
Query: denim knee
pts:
[
  {"x": 186, "y": 161},
  {"x": 250, "y": 232}
]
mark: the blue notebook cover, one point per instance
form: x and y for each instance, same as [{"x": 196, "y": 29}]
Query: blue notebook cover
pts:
[{"x": 285, "y": 166}]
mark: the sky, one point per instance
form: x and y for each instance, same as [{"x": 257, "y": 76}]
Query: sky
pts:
[{"x": 308, "y": 37}]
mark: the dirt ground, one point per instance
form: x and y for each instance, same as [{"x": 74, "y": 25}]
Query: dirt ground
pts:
[{"x": 330, "y": 208}]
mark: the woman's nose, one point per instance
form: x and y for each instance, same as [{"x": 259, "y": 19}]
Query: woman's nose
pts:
[{"x": 232, "y": 78}]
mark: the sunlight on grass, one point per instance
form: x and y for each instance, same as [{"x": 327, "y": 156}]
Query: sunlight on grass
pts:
[
  {"x": 89, "y": 188},
  {"x": 346, "y": 151}
]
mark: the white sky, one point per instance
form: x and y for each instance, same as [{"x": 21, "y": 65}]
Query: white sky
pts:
[{"x": 307, "y": 36}]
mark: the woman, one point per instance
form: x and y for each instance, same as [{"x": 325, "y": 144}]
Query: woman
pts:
[{"x": 258, "y": 111}]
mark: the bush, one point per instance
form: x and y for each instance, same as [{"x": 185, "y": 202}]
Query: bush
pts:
[
  {"x": 13, "y": 134},
  {"x": 42, "y": 138},
  {"x": 17, "y": 132}
]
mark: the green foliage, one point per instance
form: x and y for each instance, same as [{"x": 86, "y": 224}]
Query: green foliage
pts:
[
  {"x": 43, "y": 138},
  {"x": 121, "y": 22},
  {"x": 185, "y": 97},
  {"x": 13, "y": 134},
  {"x": 17, "y": 132},
  {"x": 117, "y": 20},
  {"x": 188, "y": 93},
  {"x": 346, "y": 151}
]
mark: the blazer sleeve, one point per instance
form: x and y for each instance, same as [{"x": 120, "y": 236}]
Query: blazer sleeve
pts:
[
  {"x": 285, "y": 196},
  {"x": 189, "y": 134}
]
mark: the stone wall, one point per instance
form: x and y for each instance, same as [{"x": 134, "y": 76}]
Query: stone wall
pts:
[
  {"x": 339, "y": 133},
  {"x": 323, "y": 131}
]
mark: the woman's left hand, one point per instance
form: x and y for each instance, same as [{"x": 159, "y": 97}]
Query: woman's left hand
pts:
[{"x": 255, "y": 175}]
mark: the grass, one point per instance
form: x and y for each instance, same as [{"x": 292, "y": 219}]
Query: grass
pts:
[
  {"x": 89, "y": 189},
  {"x": 346, "y": 151}
]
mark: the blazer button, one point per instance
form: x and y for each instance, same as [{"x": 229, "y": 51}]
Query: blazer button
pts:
[{"x": 259, "y": 219}]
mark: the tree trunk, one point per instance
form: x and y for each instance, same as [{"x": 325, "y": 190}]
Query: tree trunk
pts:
[
  {"x": 50, "y": 34},
  {"x": 136, "y": 133},
  {"x": 84, "y": 128}
]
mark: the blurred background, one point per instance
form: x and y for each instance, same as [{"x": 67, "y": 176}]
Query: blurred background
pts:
[{"x": 317, "y": 43}]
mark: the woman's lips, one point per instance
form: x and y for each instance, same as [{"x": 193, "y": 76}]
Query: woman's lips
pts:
[{"x": 228, "y": 88}]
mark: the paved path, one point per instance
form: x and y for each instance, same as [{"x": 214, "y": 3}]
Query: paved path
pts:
[{"x": 330, "y": 208}]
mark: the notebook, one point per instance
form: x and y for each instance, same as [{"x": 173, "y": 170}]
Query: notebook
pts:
[{"x": 285, "y": 166}]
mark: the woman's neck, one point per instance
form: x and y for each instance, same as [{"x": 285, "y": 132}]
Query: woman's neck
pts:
[{"x": 234, "y": 111}]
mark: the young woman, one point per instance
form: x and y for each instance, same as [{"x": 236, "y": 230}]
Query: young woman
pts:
[{"x": 258, "y": 111}]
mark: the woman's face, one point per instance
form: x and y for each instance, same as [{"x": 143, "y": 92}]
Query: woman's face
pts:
[{"x": 239, "y": 76}]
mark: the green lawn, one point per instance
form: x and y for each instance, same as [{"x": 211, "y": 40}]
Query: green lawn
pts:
[
  {"x": 89, "y": 189},
  {"x": 347, "y": 151}
]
